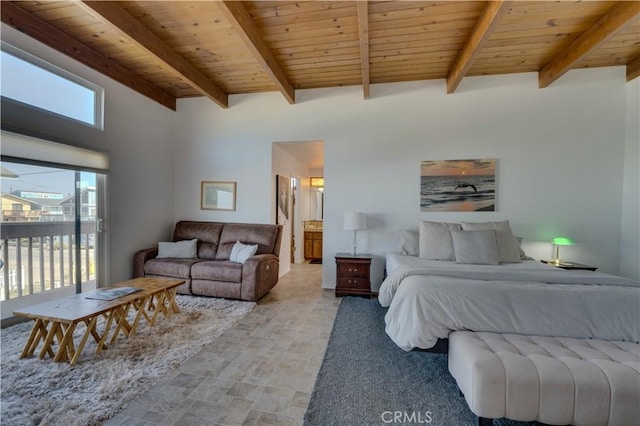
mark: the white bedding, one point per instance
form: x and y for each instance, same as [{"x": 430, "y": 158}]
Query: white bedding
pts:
[{"x": 428, "y": 299}]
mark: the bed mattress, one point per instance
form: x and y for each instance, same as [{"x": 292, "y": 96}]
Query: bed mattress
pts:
[{"x": 429, "y": 299}]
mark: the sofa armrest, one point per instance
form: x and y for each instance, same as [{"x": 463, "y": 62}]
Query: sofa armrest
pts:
[
  {"x": 140, "y": 258},
  {"x": 259, "y": 275}
]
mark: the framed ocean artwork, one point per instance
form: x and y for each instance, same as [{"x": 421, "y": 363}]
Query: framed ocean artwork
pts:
[{"x": 458, "y": 185}]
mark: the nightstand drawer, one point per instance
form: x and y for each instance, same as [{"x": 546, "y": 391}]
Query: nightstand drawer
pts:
[
  {"x": 353, "y": 275},
  {"x": 354, "y": 282},
  {"x": 353, "y": 270}
]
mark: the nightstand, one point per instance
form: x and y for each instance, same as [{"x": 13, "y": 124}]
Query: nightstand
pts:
[
  {"x": 353, "y": 275},
  {"x": 570, "y": 265}
]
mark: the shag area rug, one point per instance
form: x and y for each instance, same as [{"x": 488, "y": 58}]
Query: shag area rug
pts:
[
  {"x": 42, "y": 392},
  {"x": 365, "y": 379}
]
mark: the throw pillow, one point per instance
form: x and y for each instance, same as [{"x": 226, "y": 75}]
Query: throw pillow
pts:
[
  {"x": 435, "y": 240},
  {"x": 523, "y": 255},
  {"x": 408, "y": 242},
  {"x": 186, "y": 249},
  {"x": 475, "y": 247},
  {"x": 241, "y": 252},
  {"x": 508, "y": 249}
]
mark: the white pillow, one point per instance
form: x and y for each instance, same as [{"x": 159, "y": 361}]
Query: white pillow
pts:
[
  {"x": 523, "y": 255},
  {"x": 241, "y": 252},
  {"x": 186, "y": 249},
  {"x": 435, "y": 240},
  {"x": 408, "y": 242},
  {"x": 508, "y": 248},
  {"x": 475, "y": 247}
]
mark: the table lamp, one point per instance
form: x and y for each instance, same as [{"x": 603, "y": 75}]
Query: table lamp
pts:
[
  {"x": 557, "y": 242},
  {"x": 354, "y": 221}
]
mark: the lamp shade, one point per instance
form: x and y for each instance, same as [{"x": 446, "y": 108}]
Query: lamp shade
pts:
[
  {"x": 562, "y": 241},
  {"x": 354, "y": 221}
]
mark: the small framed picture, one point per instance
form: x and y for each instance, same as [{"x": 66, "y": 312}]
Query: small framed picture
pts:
[{"x": 218, "y": 196}]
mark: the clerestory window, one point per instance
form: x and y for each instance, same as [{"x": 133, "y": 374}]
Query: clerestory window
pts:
[{"x": 34, "y": 82}]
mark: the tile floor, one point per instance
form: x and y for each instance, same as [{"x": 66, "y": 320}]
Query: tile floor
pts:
[{"x": 260, "y": 372}]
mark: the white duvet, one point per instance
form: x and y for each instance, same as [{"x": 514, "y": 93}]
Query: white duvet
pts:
[{"x": 429, "y": 299}]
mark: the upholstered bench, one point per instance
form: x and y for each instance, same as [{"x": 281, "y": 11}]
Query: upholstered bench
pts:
[{"x": 552, "y": 380}]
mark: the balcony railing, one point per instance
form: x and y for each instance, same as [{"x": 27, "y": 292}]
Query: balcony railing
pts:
[{"x": 40, "y": 256}]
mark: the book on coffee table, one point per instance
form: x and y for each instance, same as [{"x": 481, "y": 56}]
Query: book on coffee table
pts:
[{"x": 112, "y": 293}]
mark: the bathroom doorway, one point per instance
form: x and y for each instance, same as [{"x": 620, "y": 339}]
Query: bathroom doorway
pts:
[{"x": 300, "y": 160}]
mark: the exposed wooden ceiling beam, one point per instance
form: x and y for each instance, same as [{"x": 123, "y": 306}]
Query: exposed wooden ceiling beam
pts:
[
  {"x": 363, "y": 35},
  {"x": 605, "y": 28},
  {"x": 46, "y": 33},
  {"x": 135, "y": 31},
  {"x": 248, "y": 31},
  {"x": 633, "y": 69},
  {"x": 487, "y": 22}
]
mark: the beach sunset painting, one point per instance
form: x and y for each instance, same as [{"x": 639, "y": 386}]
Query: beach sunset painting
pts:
[{"x": 458, "y": 185}]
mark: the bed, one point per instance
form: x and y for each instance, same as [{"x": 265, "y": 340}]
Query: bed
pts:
[{"x": 427, "y": 299}]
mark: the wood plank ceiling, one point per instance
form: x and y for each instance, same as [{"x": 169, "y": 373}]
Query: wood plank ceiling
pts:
[{"x": 176, "y": 49}]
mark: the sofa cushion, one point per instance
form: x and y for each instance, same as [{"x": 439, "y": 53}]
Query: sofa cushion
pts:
[
  {"x": 217, "y": 289},
  {"x": 207, "y": 234},
  {"x": 265, "y": 236},
  {"x": 217, "y": 270},
  {"x": 176, "y": 268}
]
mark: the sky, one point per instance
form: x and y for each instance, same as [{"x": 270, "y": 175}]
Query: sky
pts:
[
  {"x": 477, "y": 167},
  {"x": 35, "y": 86},
  {"x": 44, "y": 179}
]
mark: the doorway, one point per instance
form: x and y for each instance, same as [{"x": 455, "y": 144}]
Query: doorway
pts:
[{"x": 300, "y": 160}]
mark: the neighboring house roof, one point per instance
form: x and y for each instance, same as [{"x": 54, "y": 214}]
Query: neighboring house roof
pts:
[
  {"x": 49, "y": 202},
  {"x": 72, "y": 198},
  {"x": 18, "y": 199}
]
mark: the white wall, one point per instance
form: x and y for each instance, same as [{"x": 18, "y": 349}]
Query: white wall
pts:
[
  {"x": 560, "y": 155},
  {"x": 138, "y": 137},
  {"x": 630, "y": 242}
]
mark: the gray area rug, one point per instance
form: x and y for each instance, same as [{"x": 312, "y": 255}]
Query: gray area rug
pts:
[
  {"x": 365, "y": 379},
  {"x": 41, "y": 392}
]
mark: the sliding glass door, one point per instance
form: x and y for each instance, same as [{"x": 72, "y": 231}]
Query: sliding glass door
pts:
[{"x": 49, "y": 229}]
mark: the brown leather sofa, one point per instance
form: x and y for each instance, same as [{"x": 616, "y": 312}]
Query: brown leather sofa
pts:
[{"x": 212, "y": 273}]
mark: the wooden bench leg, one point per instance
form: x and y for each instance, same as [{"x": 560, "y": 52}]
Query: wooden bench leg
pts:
[
  {"x": 140, "y": 306},
  {"x": 48, "y": 341},
  {"x": 38, "y": 332},
  {"x": 122, "y": 325},
  {"x": 172, "y": 300},
  {"x": 105, "y": 333},
  {"x": 158, "y": 307},
  {"x": 66, "y": 349},
  {"x": 90, "y": 330}
]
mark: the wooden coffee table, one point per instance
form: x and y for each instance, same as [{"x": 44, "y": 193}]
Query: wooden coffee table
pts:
[{"x": 56, "y": 321}]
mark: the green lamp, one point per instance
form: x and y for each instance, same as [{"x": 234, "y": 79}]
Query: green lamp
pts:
[{"x": 560, "y": 241}]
